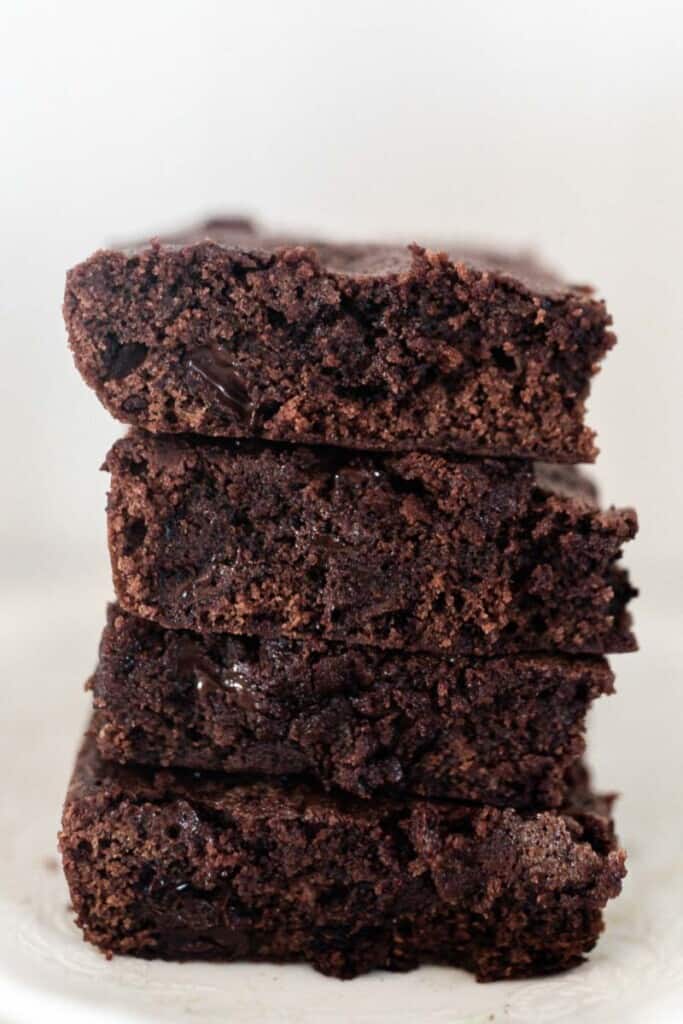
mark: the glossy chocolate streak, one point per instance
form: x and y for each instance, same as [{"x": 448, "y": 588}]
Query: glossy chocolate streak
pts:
[
  {"x": 211, "y": 366},
  {"x": 231, "y": 680}
]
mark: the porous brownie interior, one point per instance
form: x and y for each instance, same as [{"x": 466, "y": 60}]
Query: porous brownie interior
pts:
[{"x": 413, "y": 551}]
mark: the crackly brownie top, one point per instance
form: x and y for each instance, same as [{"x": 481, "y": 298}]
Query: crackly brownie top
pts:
[{"x": 355, "y": 259}]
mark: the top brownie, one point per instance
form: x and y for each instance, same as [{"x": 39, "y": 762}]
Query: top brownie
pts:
[{"x": 228, "y": 332}]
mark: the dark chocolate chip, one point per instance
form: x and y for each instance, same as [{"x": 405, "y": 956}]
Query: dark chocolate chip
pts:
[
  {"x": 121, "y": 359},
  {"x": 232, "y": 942},
  {"x": 230, "y": 680},
  {"x": 211, "y": 366},
  {"x": 267, "y": 410},
  {"x": 193, "y": 663},
  {"x": 352, "y": 475},
  {"x": 502, "y": 360},
  {"x": 134, "y": 534},
  {"x": 134, "y": 404}
]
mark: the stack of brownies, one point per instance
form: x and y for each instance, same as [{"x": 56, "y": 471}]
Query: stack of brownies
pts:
[{"x": 340, "y": 701}]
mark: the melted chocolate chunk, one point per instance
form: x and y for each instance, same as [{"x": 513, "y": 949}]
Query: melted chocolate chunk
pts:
[
  {"x": 211, "y": 366},
  {"x": 134, "y": 404},
  {"x": 121, "y": 359},
  {"x": 194, "y": 664},
  {"x": 233, "y": 943},
  {"x": 230, "y": 679}
]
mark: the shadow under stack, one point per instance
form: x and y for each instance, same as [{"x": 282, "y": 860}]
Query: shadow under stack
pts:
[{"x": 364, "y": 599}]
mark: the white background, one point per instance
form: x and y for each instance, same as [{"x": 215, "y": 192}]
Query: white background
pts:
[{"x": 556, "y": 125}]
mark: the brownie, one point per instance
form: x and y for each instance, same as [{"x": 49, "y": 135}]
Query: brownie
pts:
[
  {"x": 229, "y": 332},
  {"x": 180, "y": 865},
  {"x": 498, "y": 731},
  {"x": 414, "y": 551}
]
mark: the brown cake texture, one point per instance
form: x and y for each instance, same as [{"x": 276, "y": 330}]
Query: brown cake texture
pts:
[
  {"x": 414, "y": 551},
  {"x": 227, "y": 331},
  {"x": 180, "y": 865},
  {"x": 504, "y": 731}
]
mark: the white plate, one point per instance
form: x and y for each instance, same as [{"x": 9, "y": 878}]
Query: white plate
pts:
[{"x": 47, "y": 973}]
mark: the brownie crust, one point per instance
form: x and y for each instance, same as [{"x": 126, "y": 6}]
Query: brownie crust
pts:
[
  {"x": 416, "y": 551},
  {"x": 367, "y": 721},
  {"x": 227, "y": 332},
  {"x": 171, "y": 865}
]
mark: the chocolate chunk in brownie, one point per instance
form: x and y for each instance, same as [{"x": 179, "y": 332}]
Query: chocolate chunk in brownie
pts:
[
  {"x": 186, "y": 865},
  {"x": 415, "y": 551},
  {"x": 502, "y": 731},
  {"x": 229, "y": 332}
]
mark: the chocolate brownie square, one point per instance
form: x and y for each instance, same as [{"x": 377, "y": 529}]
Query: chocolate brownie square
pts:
[
  {"x": 229, "y": 332},
  {"x": 416, "y": 551},
  {"x": 189, "y": 865},
  {"x": 504, "y": 731}
]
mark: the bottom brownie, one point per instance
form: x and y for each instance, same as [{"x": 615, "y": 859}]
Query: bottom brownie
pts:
[{"x": 181, "y": 865}]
